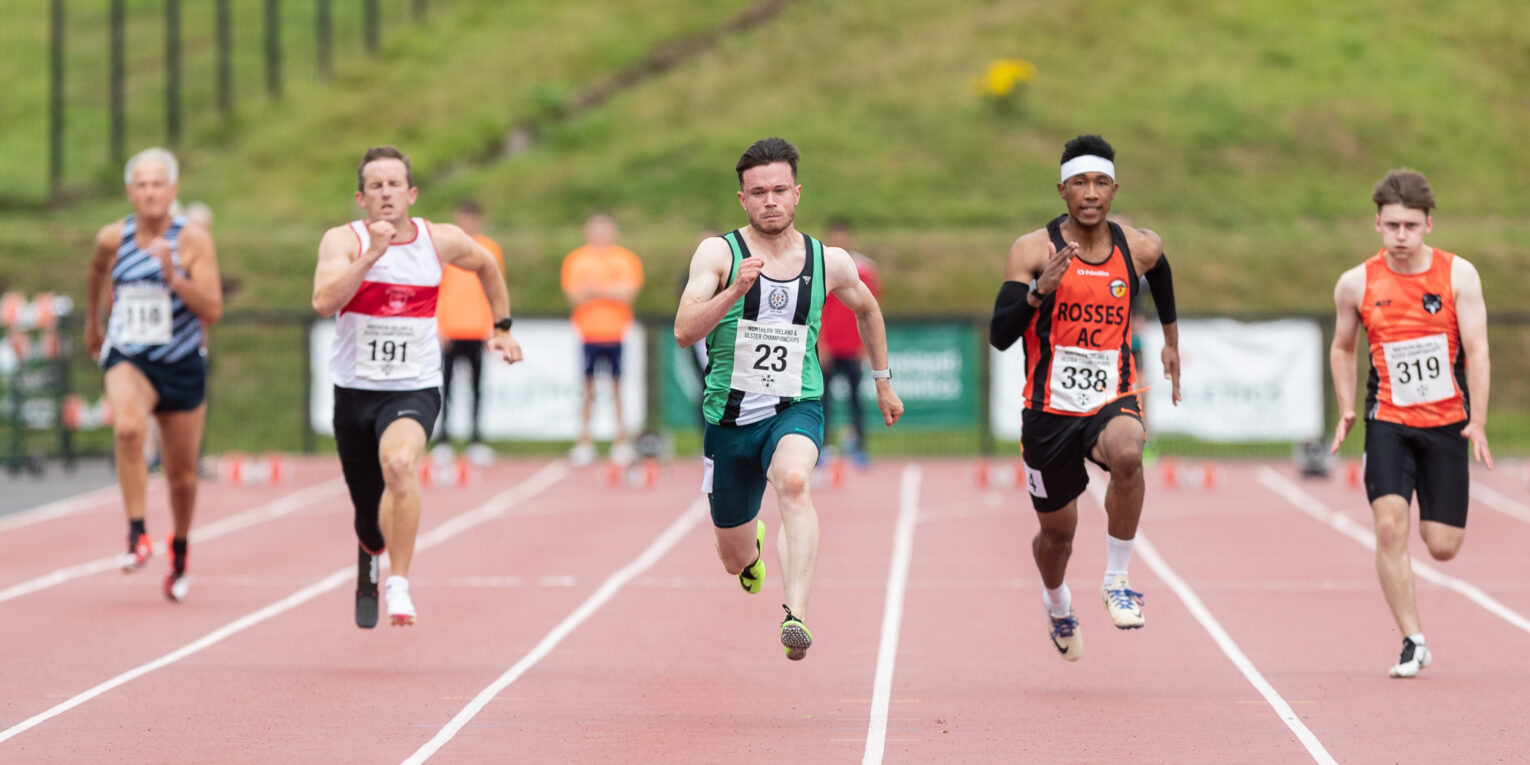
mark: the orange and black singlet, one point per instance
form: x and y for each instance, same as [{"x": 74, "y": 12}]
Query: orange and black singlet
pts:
[
  {"x": 1078, "y": 350},
  {"x": 1418, "y": 372}
]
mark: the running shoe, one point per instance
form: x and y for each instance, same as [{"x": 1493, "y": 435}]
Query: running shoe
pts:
[
  {"x": 139, "y": 552},
  {"x": 795, "y": 637},
  {"x": 366, "y": 588},
  {"x": 1414, "y": 657},
  {"x": 581, "y": 455},
  {"x": 622, "y": 453},
  {"x": 176, "y": 582},
  {"x": 1125, "y": 606},
  {"x": 1066, "y": 636},
  {"x": 176, "y": 586},
  {"x": 753, "y": 577},
  {"x": 400, "y": 606}
]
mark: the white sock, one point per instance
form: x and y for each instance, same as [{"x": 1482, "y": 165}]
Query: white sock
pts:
[
  {"x": 1417, "y": 638},
  {"x": 1059, "y": 601},
  {"x": 398, "y": 582},
  {"x": 1118, "y": 553}
]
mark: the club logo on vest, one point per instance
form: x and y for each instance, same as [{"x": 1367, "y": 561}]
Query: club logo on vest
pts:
[
  {"x": 1432, "y": 302},
  {"x": 1118, "y": 288},
  {"x": 398, "y": 297},
  {"x": 777, "y": 298}
]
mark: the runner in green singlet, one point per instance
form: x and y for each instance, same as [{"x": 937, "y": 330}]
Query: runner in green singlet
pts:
[{"x": 755, "y": 295}]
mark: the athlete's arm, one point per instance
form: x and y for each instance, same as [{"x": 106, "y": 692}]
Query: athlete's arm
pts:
[
  {"x": 1471, "y": 319},
  {"x": 1030, "y": 258},
  {"x": 97, "y": 284},
  {"x": 842, "y": 279},
  {"x": 705, "y": 301},
  {"x": 1347, "y": 295},
  {"x": 341, "y": 269},
  {"x": 1147, "y": 252},
  {"x": 201, "y": 289},
  {"x": 459, "y": 249}
]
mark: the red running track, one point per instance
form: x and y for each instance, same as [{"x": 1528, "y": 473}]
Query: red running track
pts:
[{"x": 565, "y": 619}]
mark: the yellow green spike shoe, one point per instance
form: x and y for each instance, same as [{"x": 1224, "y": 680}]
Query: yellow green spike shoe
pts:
[
  {"x": 795, "y": 637},
  {"x": 753, "y": 577}
]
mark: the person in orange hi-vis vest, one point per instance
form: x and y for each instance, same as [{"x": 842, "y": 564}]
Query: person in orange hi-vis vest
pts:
[
  {"x": 1068, "y": 293},
  {"x": 465, "y": 321},
  {"x": 601, "y": 280},
  {"x": 1427, "y": 397}
]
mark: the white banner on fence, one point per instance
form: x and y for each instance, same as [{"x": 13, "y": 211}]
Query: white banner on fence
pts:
[
  {"x": 537, "y": 399},
  {"x": 1240, "y": 381}
]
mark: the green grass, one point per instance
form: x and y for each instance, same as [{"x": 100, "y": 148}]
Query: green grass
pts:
[{"x": 1252, "y": 150}]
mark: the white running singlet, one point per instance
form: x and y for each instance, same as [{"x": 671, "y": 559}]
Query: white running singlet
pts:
[{"x": 385, "y": 337}]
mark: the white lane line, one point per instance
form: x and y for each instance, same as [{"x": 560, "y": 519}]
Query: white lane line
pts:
[
  {"x": 271, "y": 510},
  {"x": 58, "y": 508},
  {"x": 1223, "y": 640},
  {"x": 1501, "y": 502},
  {"x": 656, "y": 550},
  {"x": 892, "y": 612},
  {"x": 1341, "y": 523},
  {"x": 494, "y": 508}
]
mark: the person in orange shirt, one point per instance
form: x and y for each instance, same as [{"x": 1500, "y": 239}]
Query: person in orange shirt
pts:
[
  {"x": 601, "y": 280},
  {"x": 1427, "y": 397},
  {"x": 465, "y": 321}
]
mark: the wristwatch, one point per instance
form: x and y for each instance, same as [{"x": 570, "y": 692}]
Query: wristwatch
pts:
[
  {"x": 1034, "y": 291},
  {"x": 504, "y": 324}
]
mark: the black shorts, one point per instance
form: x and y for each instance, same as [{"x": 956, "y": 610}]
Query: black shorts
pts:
[
  {"x": 181, "y": 385},
  {"x": 361, "y": 416},
  {"x": 1434, "y": 461},
  {"x": 607, "y": 354},
  {"x": 1054, "y": 447}
]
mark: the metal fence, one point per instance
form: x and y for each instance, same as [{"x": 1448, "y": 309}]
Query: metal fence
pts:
[{"x": 88, "y": 74}]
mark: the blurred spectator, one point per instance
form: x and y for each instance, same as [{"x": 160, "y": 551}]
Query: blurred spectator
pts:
[
  {"x": 465, "y": 321},
  {"x": 601, "y": 280},
  {"x": 840, "y": 350}
]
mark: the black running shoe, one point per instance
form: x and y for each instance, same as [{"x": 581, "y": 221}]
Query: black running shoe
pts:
[{"x": 366, "y": 588}]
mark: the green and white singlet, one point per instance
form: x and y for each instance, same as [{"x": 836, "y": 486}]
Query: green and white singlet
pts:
[{"x": 763, "y": 355}]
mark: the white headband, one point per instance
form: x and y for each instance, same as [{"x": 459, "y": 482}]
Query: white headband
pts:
[{"x": 1088, "y": 163}]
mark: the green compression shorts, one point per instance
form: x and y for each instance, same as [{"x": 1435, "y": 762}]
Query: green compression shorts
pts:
[{"x": 737, "y": 459}]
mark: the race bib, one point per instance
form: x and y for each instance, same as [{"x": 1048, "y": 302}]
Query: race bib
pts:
[
  {"x": 387, "y": 349},
  {"x": 1083, "y": 380},
  {"x": 144, "y": 310},
  {"x": 767, "y": 358},
  {"x": 1419, "y": 369}
]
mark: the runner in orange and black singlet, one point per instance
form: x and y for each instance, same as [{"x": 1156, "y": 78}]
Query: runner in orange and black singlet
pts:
[
  {"x": 1416, "y": 397},
  {"x": 1079, "y": 370}
]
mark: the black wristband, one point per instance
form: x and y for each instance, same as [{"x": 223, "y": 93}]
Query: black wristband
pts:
[{"x": 504, "y": 324}]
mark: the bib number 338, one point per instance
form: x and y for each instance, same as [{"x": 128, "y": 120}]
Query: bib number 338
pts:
[
  {"x": 1081, "y": 379},
  {"x": 767, "y": 358}
]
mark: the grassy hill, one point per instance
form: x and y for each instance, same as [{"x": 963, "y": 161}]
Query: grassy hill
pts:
[{"x": 1248, "y": 135}]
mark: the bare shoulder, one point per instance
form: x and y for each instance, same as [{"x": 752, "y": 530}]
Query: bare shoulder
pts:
[
  {"x": 713, "y": 251},
  {"x": 1145, "y": 240},
  {"x": 340, "y": 239},
  {"x": 839, "y": 268},
  {"x": 1350, "y": 287},
  {"x": 110, "y": 235},
  {"x": 196, "y": 237}
]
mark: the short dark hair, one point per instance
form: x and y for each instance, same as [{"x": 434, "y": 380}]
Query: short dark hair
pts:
[
  {"x": 767, "y": 151},
  {"x": 1405, "y": 187},
  {"x": 383, "y": 152},
  {"x": 469, "y": 207},
  {"x": 1085, "y": 145}
]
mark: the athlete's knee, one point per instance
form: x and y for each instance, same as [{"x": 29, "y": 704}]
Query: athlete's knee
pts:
[
  {"x": 1053, "y": 538},
  {"x": 1443, "y": 549},
  {"x": 398, "y": 469},
  {"x": 1126, "y": 462},
  {"x": 130, "y": 431},
  {"x": 794, "y": 483},
  {"x": 181, "y": 479},
  {"x": 1391, "y": 530}
]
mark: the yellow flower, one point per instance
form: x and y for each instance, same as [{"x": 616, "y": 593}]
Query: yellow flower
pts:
[{"x": 1002, "y": 78}]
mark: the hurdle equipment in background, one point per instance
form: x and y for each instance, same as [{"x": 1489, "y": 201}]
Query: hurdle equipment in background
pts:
[
  {"x": 450, "y": 473},
  {"x": 1201, "y": 474}
]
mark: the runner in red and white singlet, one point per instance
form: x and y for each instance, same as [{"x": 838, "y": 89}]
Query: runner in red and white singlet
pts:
[{"x": 380, "y": 277}]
